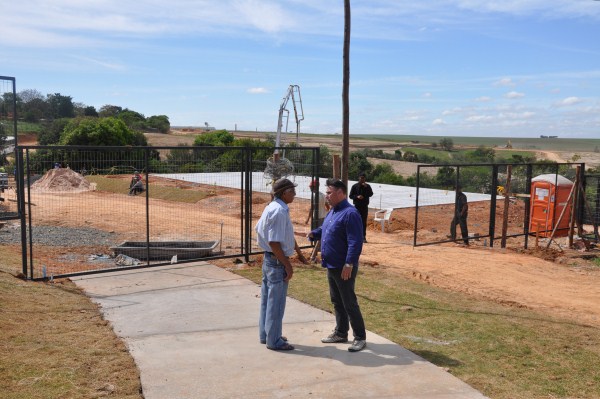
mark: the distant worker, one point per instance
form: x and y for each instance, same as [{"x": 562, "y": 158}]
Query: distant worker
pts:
[
  {"x": 56, "y": 165},
  {"x": 360, "y": 194},
  {"x": 136, "y": 185},
  {"x": 461, "y": 211}
]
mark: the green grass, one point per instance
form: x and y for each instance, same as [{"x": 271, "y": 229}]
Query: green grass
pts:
[
  {"x": 28, "y": 127},
  {"x": 502, "y": 351},
  {"x": 446, "y": 156},
  {"x": 532, "y": 143},
  {"x": 442, "y": 155},
  {"x": 121, "y": 186}
]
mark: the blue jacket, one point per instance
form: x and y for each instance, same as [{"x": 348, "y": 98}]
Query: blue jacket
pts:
[{"x": 341, "y": 236}]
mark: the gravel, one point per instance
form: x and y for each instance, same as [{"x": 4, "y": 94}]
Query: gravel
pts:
[{"x": 59, "y": 236}]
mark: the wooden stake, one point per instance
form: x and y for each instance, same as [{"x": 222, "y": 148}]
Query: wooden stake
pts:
[
  {"x": 561, "y": 215},
  {"x": 573, "y": 208},
  {"x": 315, "y": 251}
]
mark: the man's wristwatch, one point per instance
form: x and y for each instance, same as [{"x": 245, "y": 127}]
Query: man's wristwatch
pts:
[{"x": 348, "y": 265}]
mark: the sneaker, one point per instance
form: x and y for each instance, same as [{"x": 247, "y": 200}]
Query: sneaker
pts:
[
  {"x": 264, "y": 341},
  {"x": 357, "y": 345},
  {"x": 333, "y": 338}
]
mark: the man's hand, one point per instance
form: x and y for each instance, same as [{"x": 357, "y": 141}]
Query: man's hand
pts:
[{"x": 346, "y": 272}]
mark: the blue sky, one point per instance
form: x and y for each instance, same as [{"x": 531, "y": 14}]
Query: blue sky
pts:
[{"x": 516, "y": 68}]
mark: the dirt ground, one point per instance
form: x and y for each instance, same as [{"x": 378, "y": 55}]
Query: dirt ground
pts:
[{"x": 561, "y": 284}]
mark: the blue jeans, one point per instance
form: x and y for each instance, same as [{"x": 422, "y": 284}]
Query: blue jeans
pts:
[
  {"x": 345, "y": 304},
  {"x": 273, "y": 294}
]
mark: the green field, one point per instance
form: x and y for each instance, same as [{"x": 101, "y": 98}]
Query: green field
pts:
[{"x": 532, "y": 143}]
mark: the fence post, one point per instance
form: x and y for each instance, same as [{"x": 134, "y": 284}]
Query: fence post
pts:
[
  {"x": 147, "y": 169},
  {"x": 527, "y": 218},
  {"x": 416, "y": 206},
  {"x": 506, "y": 205},
  {"x": 247, "y": 220},
  {"x": 493, "y": 204},
  {"x": 20, "y": 182}
]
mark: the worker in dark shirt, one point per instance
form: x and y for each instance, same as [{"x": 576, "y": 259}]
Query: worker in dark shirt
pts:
[
  {"x": 360, "y": 194},
  {"x": 461, "y": 211}
]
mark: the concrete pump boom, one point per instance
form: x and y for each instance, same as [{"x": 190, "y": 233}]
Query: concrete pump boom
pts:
[{"x": 293, "y": 92}]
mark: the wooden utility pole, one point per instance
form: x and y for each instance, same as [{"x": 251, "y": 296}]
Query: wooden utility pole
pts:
[
  {"x": 336, "y": 166},
  {"x": 346, "y": 95}
]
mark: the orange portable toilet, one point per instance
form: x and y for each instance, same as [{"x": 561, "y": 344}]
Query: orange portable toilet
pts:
[{"x": 549, "y": 195}]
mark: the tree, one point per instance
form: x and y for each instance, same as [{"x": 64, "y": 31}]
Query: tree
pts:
[
  {"x": 410, "y": 156},
  {"x": 447, "y": 144},
  {"x": 482, "y": 154},
  {"x": 100, "y": 132},
  {"x": 109, "y": 111},
  {"x": 358, "y": 162},
  {"x": 134, "y": 120},
  {"x": 160, "y": 122},
  {"x": 90, "y": 111},
  {"x": 216, "y": 138},
  {"x": 60, "y": 106},
  {"x": 445, "y": 177},
  {"x": 51, "y": 132},
  {"x": 34, "y": 110}
]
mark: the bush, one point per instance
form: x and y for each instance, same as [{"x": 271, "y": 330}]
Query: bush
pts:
[{"x": 100, "y": 132}]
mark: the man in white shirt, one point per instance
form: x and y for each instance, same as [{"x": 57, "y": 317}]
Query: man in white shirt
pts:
[{"x": 275, "y": 234}]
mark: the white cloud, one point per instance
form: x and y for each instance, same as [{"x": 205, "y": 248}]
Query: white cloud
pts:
[
  {"x": 257, "y": 90},
  {"x": 426, "y": 95},
  {"x": 483, "y": 99},
  {"x": 504, "y": 82},
  {"x": 267, "y": 16},
  {"x": 514, "y": 95},
  {"x": 438, "y": 122},
  {"x": 479, "y": 118},
  {"x": 569, "y": 101}
]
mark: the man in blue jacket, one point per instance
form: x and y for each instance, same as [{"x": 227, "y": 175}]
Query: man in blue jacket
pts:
[{"x": 341, "y": 238}]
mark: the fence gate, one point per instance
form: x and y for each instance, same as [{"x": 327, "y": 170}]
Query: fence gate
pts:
[{"x": 194, "y": 203}]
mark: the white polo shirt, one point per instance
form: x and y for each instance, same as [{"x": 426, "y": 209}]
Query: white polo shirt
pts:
[{"x": 275, "y": 225}]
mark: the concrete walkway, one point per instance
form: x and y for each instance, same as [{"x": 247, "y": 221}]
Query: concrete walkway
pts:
[{"x": 192, "y": 330}]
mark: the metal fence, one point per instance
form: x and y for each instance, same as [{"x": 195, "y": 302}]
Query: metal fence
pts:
[
  {"x": 197, "y": 203},
  {"x": 8, "y": 135},
  {"x": 499, "y": 202},
  {"x": 590, "y": 208}
]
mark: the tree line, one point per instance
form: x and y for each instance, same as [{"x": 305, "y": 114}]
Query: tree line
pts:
[{"x": 34, "y": 107}]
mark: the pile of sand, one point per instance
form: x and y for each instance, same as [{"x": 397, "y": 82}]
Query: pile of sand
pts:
[{"x": 62, "y": 180}]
